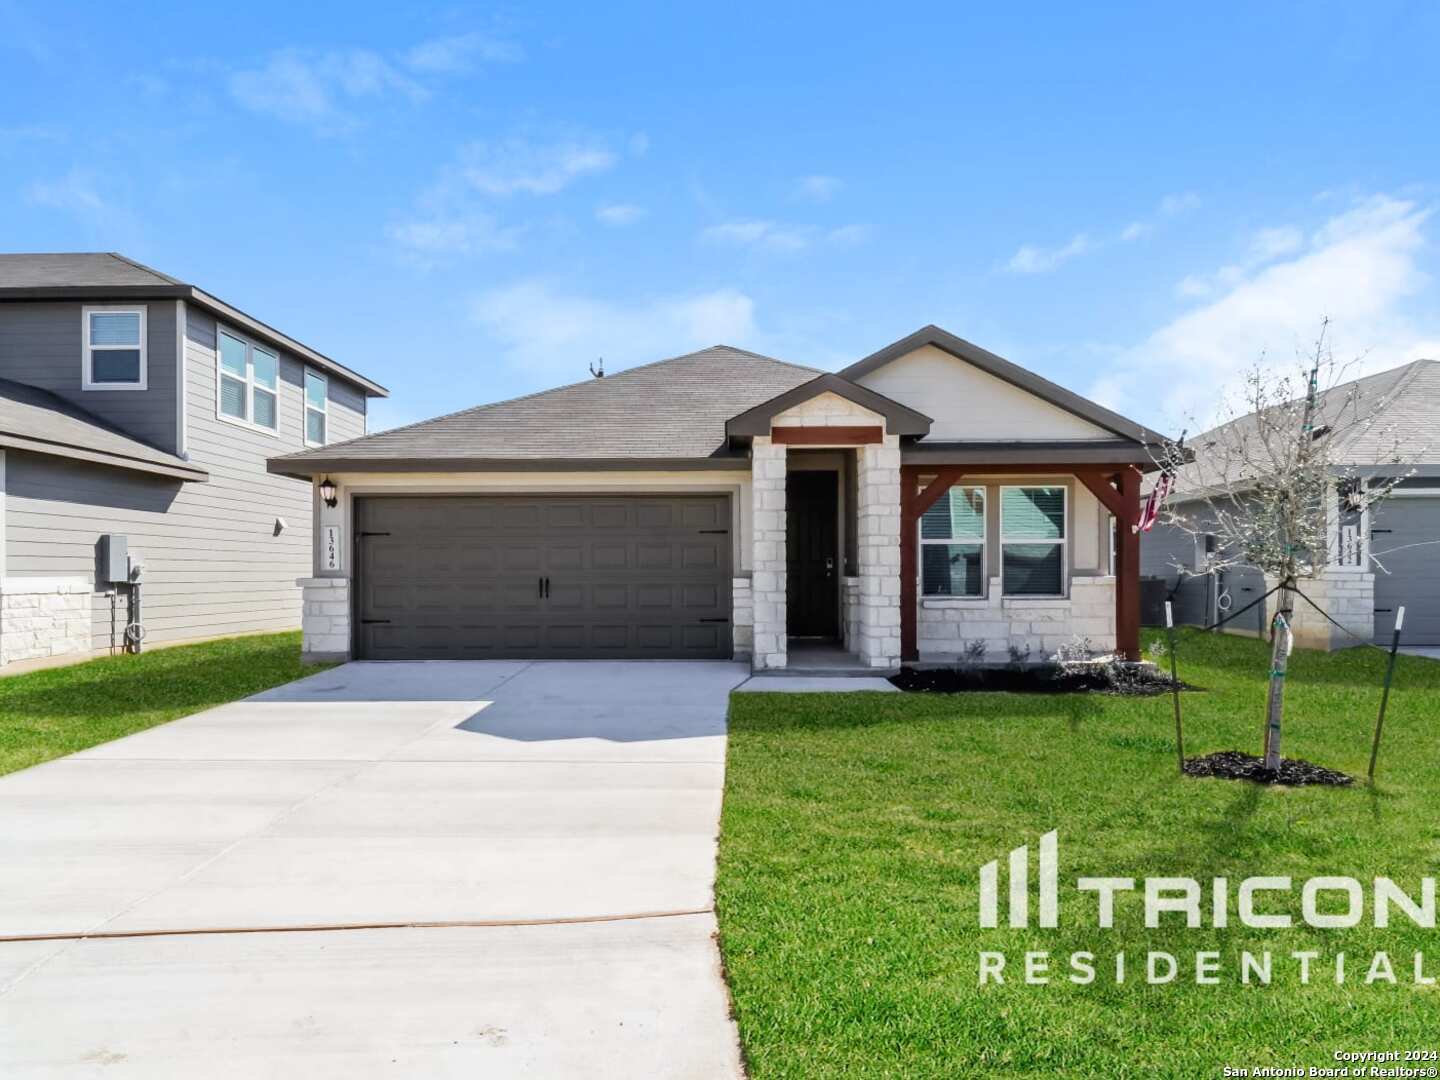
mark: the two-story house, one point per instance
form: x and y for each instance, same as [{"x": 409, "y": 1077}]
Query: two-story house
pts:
[{"x": 137, "y": 413}]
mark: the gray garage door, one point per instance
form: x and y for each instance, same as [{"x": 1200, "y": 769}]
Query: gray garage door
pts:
[
  {"x": 490, "y": 577},
  {"x": 1403, "y": 531}
]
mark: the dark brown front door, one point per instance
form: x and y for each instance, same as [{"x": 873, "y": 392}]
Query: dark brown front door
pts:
[{"x": 812, "y": 578}]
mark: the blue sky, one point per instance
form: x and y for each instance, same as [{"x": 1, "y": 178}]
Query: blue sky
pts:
[{"x": 467, "y": 203}]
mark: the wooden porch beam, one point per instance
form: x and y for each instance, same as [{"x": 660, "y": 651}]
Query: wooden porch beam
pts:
[{"x": 1127, "y": 566}]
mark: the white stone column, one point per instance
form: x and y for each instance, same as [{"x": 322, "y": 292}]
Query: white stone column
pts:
[
  {"x": 767, "y": 581},
  {"x": 325, "y": 622},
  {"x": 42, "y": 618},
  {"x": 878, "y": 543},
  {"x": 742, "y": 619}
]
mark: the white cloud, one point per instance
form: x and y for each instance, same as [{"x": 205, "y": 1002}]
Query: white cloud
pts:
[
  {"x": 429, "y": 240},
  {"x": 460, "y": 53},
  {"x": 1134, "y": 231},
  {"x": 619, "y": 214},
  {"x": 549, "y": 333},
  {"x": 1030, "y": 259},
  {"x": 1360, "y": 269},
  {"x": 75, "y": 193},
  {"x": 1179, "y": 203},
  {"x": 817, "y": 188},
  {"x": 318, "y": 89},
  {"x": 1265, "y": 246},
  {"x": 522, "y": 166},
  {"x": 780, "y": 237}
]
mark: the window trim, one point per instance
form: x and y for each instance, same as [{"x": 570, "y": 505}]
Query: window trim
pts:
[
  {"x": 247, "y": 421},
  {"x": 87, "y": 350},
  {"x": 1063, "y": 541},
  {"x": 308, "y": 408},
  {"x": 983, "y": 541}
]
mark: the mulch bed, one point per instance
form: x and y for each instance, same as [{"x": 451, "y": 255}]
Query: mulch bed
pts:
[
  {"x": 1233, "y": 765},
  {"x": 1137, "y": 680}
]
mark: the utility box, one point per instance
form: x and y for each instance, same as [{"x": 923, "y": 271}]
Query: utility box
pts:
[{"x": 114, "y": 559}]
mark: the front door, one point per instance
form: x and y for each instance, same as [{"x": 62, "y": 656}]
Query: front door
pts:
[{"x": 812, "y": 578}]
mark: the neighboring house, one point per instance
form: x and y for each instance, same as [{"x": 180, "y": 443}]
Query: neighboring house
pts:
[
  {"x": 1377, "y": 561},
  {"x": 136, "y": 406},
  {"x": 726, "y": 504}
]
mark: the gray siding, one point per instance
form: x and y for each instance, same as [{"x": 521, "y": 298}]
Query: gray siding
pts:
[
  {"x": 213, "y": 563},
  {"x": 41, "y": 344}
]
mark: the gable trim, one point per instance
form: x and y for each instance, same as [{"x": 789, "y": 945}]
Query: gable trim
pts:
[
  {"x": 899, "y": 419},
  {"x": 1006, "y": 371}
]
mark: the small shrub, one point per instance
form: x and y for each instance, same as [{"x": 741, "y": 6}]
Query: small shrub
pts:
[
  {"x": 974, "y": 651},
  {"x": 1080, "y": 651},
  {"x": 1019, "y": 654}
]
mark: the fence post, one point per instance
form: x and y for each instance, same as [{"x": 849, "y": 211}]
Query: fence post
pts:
[
  {"x": 1175, "y": 686},
  {"x": 1385, "y": 694}
]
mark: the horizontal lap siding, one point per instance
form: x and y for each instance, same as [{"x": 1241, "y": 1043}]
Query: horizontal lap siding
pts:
[
  {"x": 41, "y": 344},
  {"x": 213, "y": 564}
]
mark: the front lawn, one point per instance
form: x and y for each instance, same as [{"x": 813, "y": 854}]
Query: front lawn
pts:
[
  {"x": 855, "y": 825},
  {"x": 47, "y": 714}
]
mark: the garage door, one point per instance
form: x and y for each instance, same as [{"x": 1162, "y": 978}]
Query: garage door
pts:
[
  {"x": 496, "y": 577},
  {"x": 1403, "y": 531}
]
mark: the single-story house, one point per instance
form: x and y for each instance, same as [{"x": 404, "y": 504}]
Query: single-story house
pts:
[
  {"x": 932, "y": 501},
  {"x": 1378, "y": 560},
  {"x": 137, "y": 412}
]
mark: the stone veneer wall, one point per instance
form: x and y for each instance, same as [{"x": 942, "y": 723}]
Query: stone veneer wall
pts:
[
  {"x": 878, "y": 551},
  {"x": 325, "y": 619},
  {"x": 44, "y": 617},
  {"x": 767, "y": 524},
  {"x": 742, "y": 619},
  {"x": 1347, "y": 596},
  {"x": 946, "y": 625},
  {"x": 850, "y": 612}
]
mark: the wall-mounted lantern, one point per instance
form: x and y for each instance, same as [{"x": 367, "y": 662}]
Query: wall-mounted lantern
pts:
[{"x": 327, "y": 492}]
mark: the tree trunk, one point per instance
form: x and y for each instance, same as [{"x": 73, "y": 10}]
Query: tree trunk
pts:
[{"x": 1279, "y": 658}]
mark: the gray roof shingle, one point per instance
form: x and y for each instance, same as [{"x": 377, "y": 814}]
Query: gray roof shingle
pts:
[
  {"x": 77, "y": 269},
  {"x": 37, "y": 420},
  {"x": 671, "y": 410},
  {"x": 1404, "y": 403}
]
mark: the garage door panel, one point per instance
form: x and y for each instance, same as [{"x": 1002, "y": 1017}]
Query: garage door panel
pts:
[
  {"x": 459, "y": 577},
  {"x": 1403, "y": 534}
]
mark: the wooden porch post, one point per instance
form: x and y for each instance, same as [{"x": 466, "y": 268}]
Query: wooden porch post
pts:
[
  {"x": 913, "y": 504},
  {"x": 1127, "y": 567}
]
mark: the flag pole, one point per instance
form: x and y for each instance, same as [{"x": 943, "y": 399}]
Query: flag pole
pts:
[{"x": 1175, "y": 686}]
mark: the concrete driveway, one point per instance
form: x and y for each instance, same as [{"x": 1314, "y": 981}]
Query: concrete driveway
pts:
[{"x": 375, "y": 794}]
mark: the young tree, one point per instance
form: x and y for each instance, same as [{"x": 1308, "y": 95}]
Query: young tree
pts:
[{"x": 1272, "y": 480}]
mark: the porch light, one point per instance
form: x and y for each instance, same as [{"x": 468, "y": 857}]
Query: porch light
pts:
[{"x": 327, "y": 492}]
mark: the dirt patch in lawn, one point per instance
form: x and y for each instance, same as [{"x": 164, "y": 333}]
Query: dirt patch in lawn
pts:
[
  {"x": 1137, "y": 680},
  {"x": 1233, "y": 765}
]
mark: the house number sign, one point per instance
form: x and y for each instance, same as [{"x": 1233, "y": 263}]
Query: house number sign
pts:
[{"x": 330, "y": 547}]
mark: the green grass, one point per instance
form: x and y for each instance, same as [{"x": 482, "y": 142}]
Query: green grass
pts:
[
  {"x": 854, "y": 827},
  {"x": 47, "y": 714}
]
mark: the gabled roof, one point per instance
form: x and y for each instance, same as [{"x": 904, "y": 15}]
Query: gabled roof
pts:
[
  {"x": 1402, "y": 409},
  {"x": 665, "y": 415},
  {"x": 44, "y": 423},
  {"x": 99, "y": 275},
  {"x": 1003, "y": 369},
  {"x": 899, "y": 419}
]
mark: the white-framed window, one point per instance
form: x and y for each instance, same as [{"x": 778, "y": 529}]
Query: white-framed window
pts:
[
  {"x": 317, "y": 407},
  {"x": 952, "y": 544},
  {"x": 1032, "y": 540},
  {"x": 247, "y": 382},
  {"x": 114, "y": 347}
]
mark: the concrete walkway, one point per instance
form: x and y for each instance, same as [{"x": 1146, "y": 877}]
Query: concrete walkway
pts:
[{"x": 374, "y": 794}]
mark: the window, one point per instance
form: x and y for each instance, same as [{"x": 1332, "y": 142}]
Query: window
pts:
[
  {"x": 317, "y": 404},
  {"x": 952, "y": 544},
  {"x": 1032, "y": 541},
  {"x": 249, "y": 376},
  {"x": 114, "y": 346}
]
